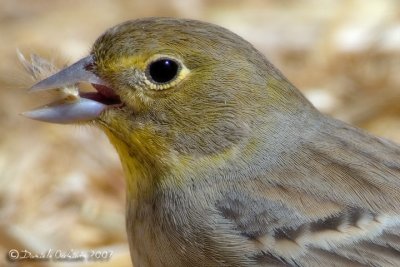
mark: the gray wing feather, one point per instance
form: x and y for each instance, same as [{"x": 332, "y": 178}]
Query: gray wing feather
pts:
[{"x": 335, "y": 202}]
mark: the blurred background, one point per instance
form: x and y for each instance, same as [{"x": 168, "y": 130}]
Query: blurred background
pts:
[{"x": 61, "y": 187}]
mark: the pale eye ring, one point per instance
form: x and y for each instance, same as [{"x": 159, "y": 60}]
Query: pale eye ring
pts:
[{"x": 163, "y": 70}]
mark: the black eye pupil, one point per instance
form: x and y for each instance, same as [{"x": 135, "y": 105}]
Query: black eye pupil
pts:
[{"x": 163, "y": 70}]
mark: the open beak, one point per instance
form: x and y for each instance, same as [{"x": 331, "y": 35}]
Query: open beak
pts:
[{"x": 87, "y": 107}]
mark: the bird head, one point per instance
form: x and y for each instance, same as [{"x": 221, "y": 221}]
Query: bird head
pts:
[{"x": 173, "y": 92}]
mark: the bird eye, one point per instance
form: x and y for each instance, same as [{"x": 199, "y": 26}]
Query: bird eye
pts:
[{"x": 163, "y": 70}]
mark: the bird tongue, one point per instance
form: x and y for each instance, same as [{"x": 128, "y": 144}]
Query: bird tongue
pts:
[
  {"x": 104, "y": 95},
  {"x": 105, "y": 91}
]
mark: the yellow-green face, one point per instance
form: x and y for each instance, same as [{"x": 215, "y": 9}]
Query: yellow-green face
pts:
[
  {"x": 187, "y": 87},
  {"x": 176, "y": 96}
]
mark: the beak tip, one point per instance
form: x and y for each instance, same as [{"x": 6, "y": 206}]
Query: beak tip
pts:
[
  {"x": 33, "y": 88},
  {"x": 39, "y": 86},
  {"x": 28, "y": 114}
]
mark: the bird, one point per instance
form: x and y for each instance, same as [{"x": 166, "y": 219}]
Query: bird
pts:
[{"x": 226, "y": 162}]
